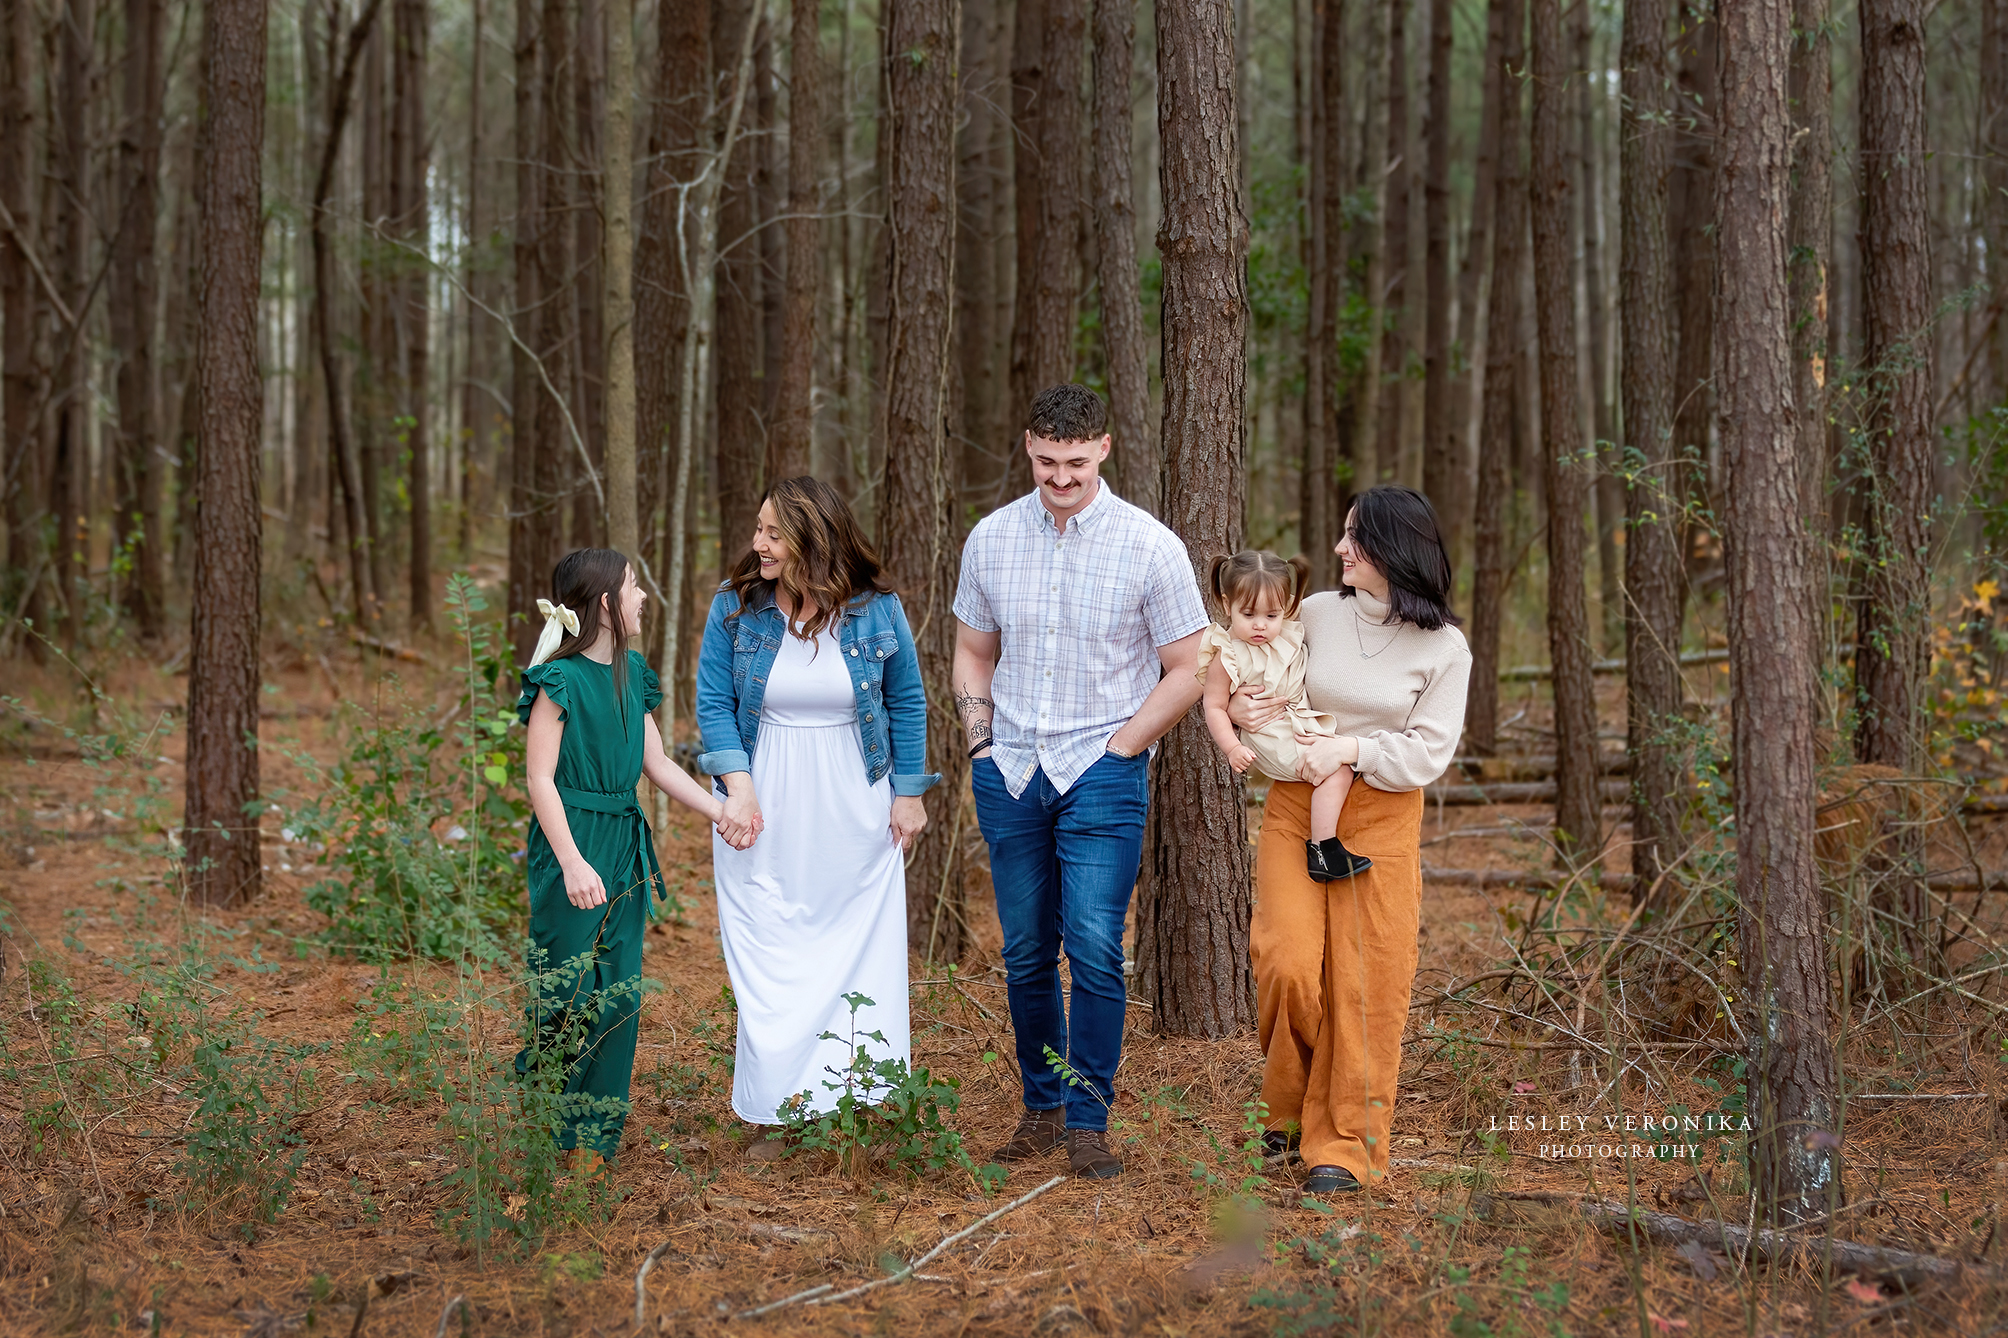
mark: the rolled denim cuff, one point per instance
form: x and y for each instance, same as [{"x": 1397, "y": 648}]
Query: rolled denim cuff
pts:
[
  {"x": 920, "y": 784},
  {"x": 724, "y": 762}
]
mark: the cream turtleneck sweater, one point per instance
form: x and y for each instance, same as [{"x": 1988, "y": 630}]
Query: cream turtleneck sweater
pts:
[{"x": 1399, "y": 690}]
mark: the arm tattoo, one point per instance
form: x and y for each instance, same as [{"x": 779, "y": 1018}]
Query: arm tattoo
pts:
[{"x": 966, "y": 702}]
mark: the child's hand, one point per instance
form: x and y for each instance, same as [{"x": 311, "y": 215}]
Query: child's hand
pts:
[
  {"x": 1241, "y": 758},
  {"x": 583, "y": 887}
]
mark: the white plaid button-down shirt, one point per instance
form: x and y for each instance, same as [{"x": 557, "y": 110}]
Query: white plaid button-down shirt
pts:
[{"x": 1082, "y": 613}]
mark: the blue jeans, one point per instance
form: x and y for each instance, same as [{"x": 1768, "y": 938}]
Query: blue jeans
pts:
[{"x": 1064, "y": 866}]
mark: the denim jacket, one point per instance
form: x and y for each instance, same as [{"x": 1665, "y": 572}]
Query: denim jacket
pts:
[{"x": 738, "y": 654}]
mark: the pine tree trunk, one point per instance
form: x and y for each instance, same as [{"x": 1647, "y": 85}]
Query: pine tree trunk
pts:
[
  {"x": 1473, "y": 272},
  {"x": 372, "y": 402},
  {"x": 768, "y": 169},
  {"x": 661, "y": 302},
  {"x": 221, "y": 859},
  {"x": 789, "y": 440},
  {"x": 983, "y": 239},
  {"x": 740, "y": 449},
  {"x": 528, "y": 578},
  {"x": 617, "y": 265},
  {"x": 1139, "y": 466},
  {"x": 1812, "y": 249},
  {"x": 1783, "y": 919},
  {"x": 1691, "y": 228},
  {"x": 1993, "y": 163},
  {"x": 414, "y": 285},
  {"x": 69, "y": 477},
  {"x": 1578, "y": 814},
  {"x": 478, "y": 291},
  {"x": 1652, "y": 543},
  {"x": 1056, "y": 251},
  {"x": 1893, "y": 627},
  {"x": 1608, "y": 493},
  {"x": 585, "y": 514},
  {"x": 1892, "y": 639},
  {"x": 131, "y": 313},
  {"x": 559, "y": 428},
  {"x": 1359, "y": 411},
  {"x": 1394, "y": 251},
  {"x": 20, "y": 306},
  {"x": 918, "y": 534},
  {"x": 1028, "y": 178},
  {"x": 1326, "y": 208},
  {"x": 1502, "y": 377},
  {"x": 1192, "y": 916},
  {"x": 1441, "y": 453}
]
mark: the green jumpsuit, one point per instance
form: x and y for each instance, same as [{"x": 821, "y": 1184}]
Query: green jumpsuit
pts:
[{"x": 594, "y": 1011}]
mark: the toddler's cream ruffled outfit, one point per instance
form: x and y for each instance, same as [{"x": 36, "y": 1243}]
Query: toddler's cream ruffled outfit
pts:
[{"x": 1277, "y": 668}]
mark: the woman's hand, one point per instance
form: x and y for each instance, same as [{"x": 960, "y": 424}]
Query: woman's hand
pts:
[
  {"x": 583, "y": 887},
  {"x": 1252, "y": 709},
  {"x": 1324, "y": 756},
  {"x": 909, "y": 819},
  {"x": 739, "y": 820},
  {"x": 736, "y": 837}
]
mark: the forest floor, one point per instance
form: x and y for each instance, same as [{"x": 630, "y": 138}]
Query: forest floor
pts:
[{"x": 97, "y": 1231}]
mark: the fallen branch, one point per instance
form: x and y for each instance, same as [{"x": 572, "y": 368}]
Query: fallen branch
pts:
[
  {"x": 457, "y": 1303},
  {"x": 1777, "y": 1246},
  {"x": 390, "y": 648},
  {"x": 1528, "y": 673},
  {"x": 1515, "y": 792},
  {"x": 816, "y": 1296}
]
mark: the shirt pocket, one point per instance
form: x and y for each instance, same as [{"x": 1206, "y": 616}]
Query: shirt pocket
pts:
[{"x": 1109, "y": 608}]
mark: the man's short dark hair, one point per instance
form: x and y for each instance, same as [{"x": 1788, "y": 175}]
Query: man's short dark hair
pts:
[{"x": 1068, "y": 413}]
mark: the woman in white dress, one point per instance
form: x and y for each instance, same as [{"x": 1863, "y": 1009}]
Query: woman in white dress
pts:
[{"x": 814, "y": 720}]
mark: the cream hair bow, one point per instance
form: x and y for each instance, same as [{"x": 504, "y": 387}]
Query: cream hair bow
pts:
[{"x": 558, "y": 620}]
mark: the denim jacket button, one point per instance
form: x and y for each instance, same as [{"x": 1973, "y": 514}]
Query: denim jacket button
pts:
[{"x": 854, "y": 652}]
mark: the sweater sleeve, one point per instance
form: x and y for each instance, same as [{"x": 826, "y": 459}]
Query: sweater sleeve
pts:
[{"x": 1410, "y": 758}]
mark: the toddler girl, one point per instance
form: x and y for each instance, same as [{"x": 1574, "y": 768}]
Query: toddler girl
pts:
[{"x": 1258, "y": 593}]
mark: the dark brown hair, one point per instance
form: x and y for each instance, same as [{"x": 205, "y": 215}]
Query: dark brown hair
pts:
[
  {"x": 1234, "y": 581},
  {"x": 1395, "y": 529},
  {"x": 829, "y": 563},
  {"x": 579, "y": 580},
  {"x": 1068, "y": 412}
]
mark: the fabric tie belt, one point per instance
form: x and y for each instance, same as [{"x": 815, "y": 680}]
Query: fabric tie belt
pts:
[{"x": 619, "y": 803}]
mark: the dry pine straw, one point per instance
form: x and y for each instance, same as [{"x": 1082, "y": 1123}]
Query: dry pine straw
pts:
[{"x": 1140, "y": 1254}]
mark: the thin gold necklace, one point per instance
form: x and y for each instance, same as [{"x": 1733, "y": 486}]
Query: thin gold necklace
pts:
[{"x": 1365, "y": 654}]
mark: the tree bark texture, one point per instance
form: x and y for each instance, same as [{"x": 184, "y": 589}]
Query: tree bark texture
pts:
[
  {"x": 1056, "y": 249},
  {"x": 1608, "y": 498},
  {"x": 70, "y": 168},
  {"x": 984, "y": 238},
  {"x": 1578, "y": 821},
  {"x": 20, "y": 305},
  {"x": 1652, "y": 541},
  {"x": 1473, "y": 271},
  {"x": 1502, "y": 378},
  {"x": 1993, "y": 141},
  {"x": 1783, "y": 916},
  {"x": 1192, "y": 920},
  {"x": 1892, "y": 639},
  {"x": 918, "y": 534},
  {"x": 661, "y": 302},
  {"x": 789, "y": 437},
  {"x": 526, "y": 582},
  {"x": 1691, "y": 229},
  {"x": 1139, "y": 465},
  {"x": 1394, "y": 249},
  {"x": 137, "y": 520},
  {"x": 617, "y": 266},
  {"x": 1812, "y": 250},
  {"x": 740, "y": 449},
  {"x": 1442, "y": 454},
  {"x": 555, "y": 443},
  {"x": 1359, "y": 411},
  {"x": 1328, "y": 190},
  {"x": 1028, "y": 176},
  {"x": 414, "y": 292},
  {"x": 221, "y": 854}
]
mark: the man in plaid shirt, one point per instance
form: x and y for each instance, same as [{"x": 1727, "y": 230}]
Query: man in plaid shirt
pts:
[{"x": 1076, "y": 647}]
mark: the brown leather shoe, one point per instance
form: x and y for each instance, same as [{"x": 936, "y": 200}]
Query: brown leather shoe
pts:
[
  {"x": 1038, "y": 1132},
  {"x": 1088, "y": 1154}
]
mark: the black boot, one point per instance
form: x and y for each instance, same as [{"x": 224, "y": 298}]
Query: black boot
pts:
[{"x": 1328, "y": 861}]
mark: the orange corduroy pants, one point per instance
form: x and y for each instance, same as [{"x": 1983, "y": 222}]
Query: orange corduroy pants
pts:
[{"x": 1333, "y": 966}]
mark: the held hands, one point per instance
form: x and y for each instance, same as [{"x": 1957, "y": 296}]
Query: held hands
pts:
[
  {"x": 1252, "y": 709},
  {"x": 583, "y": 887},
  {"x": 909, "y": 819},
  {"x": 1241, "y": 758},
  {"x": 739, "y": 820}
]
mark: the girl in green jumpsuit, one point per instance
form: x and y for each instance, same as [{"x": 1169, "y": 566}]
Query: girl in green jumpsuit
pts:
[{"x": 587, "y": 698}]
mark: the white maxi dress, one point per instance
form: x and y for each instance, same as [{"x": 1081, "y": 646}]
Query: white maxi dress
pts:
[{"x": 816, "y": 909}]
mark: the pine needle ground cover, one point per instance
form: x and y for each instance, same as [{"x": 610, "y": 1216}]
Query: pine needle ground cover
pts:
[{"x": 229, "y": 1123}]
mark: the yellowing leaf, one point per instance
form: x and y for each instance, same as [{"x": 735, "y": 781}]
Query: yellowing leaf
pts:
[{"x": 495, "y": 775}]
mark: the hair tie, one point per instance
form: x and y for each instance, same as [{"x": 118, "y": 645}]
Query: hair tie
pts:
[{"x": 558, "y": 620}]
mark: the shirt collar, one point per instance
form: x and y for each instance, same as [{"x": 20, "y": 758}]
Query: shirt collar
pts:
[{"x": 1086, "y": 518}]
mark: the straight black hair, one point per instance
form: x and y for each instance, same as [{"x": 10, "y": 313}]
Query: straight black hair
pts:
[{"x": 1395, "y": 529}]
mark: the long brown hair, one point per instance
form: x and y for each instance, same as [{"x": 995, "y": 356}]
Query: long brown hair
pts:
[
  {"x": 830, "y": 562},
  {"x": 1234, "y": 581},
  {"x": 577, "y": 582}
]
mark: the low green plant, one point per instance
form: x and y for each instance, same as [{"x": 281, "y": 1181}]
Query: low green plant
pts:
[
  {"x": 1336, "y": 1296},
  {"x": 1520, "y": 1308},
  {"x": 883, "y": 1110},
  {"x": 1234, "y": 1181}
]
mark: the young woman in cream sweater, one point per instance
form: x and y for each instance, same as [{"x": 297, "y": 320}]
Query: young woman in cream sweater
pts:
[{"x": 1334, "y": 961}]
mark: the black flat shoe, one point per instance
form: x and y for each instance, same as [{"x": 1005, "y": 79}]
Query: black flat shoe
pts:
[
  {"x": 1330, "y": 1180},
  {"x": 1277, "y": 1142},
  {"x": 1328, "y": 861}
]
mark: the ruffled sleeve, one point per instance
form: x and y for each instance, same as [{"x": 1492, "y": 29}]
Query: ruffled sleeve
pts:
[
  {"x": 550, "y": 678},
  {"x": 1215, "y": 643},
  {"x": 651, "y": 686}
]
